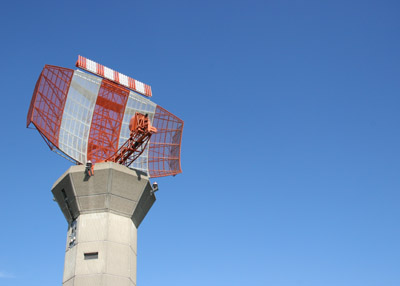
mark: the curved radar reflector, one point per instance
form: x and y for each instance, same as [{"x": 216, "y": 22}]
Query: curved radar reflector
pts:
[
  {"x": 84, "y": 117},
  {"x": 48, "y": 101},
  {"x": 165, "y": 145}
]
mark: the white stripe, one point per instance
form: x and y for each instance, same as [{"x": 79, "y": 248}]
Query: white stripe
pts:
[
  {"x": 139, "y": 86},
  {"x": 91, "y": 66},
  {"x": 123, "y": 79},
  {"x": 108, "y": 73},
  {"x": 78, "y": 114}
]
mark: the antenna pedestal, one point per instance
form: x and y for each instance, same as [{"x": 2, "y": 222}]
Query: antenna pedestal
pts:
[{"x": 103, "y": 213}]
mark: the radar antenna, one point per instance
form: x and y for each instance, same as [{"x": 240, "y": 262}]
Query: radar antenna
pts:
[{"x": 84, "y": 117}]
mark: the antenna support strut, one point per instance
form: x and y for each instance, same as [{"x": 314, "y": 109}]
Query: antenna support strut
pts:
[{"x": 141, "y": 131}]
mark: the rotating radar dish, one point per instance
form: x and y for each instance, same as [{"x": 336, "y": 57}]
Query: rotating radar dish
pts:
[{"x": 85, "y": 117}]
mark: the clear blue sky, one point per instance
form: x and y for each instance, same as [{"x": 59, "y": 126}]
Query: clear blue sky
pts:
[{"x": 290, "y": 153}]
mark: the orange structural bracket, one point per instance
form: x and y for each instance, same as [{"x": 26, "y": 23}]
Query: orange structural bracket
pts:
[{"x": 141, "y": 132}]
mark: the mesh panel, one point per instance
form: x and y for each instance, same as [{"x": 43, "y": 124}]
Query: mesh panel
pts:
[{"x": 165, "y": 145}]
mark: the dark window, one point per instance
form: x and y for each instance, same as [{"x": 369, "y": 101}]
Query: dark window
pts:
[{"x": 91, "y": 255}]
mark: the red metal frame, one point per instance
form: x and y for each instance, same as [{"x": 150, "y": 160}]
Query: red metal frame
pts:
[
  {"x": 106, "y": 122},
  {"x": 165, "y": 145},
  {"x": 48, "y": 100}
]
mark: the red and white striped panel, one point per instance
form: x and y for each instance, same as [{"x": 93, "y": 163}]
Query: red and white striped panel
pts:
[{"x": 112, "y": 75}]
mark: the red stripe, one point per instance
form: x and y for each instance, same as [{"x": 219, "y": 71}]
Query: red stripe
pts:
[
  {"x": 147, "y": 90},
  {"x": 103, "y": 140},
  {"x": 131, "y": 83},
  {"x": 100, "y": 69},
  {"x": 116, "y": 76},
  {"x": 81, "y": 62}
]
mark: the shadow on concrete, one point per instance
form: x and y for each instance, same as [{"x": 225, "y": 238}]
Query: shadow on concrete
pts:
[
  {"x": 139, "y": 174},
  {"x": 86, "y": 178}
]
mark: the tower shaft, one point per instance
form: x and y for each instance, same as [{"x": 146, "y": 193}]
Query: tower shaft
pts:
[{"x": 103, "y": 213}]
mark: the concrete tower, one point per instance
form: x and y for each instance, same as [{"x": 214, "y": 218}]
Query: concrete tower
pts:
[{"x": 103, "y": 213}]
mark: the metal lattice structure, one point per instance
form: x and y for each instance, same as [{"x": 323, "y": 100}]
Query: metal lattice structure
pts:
[
  {"x": 86, "y": 117},
  {"x": 164, "y": 149},
  {"x": 48, "y": 101},
  {"x": 107, "y": 121}
]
